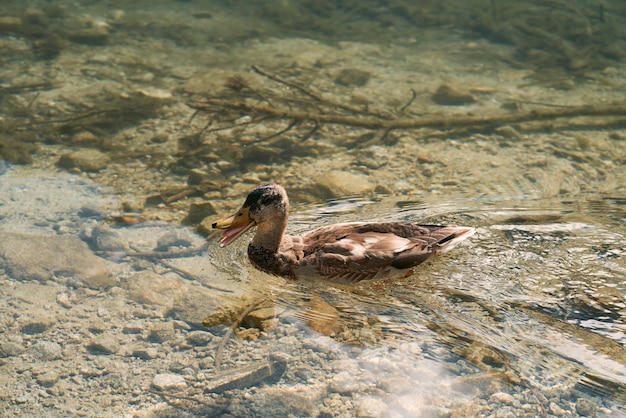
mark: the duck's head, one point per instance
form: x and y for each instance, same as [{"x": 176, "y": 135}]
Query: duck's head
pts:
[{"x": 265, "y": 205}]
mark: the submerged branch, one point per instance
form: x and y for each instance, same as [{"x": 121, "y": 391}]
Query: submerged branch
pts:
[
  {"x": 298, "y": 106},
  {"x": 434, "y": 122}
]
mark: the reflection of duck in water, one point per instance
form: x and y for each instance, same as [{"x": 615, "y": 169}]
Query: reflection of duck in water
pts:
[{"x": 344, "y": 252}]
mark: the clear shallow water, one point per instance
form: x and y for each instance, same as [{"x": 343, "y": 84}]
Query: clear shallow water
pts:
[
  {"x": 533, "y": 305},
  {"x": 535, "y": 299}
]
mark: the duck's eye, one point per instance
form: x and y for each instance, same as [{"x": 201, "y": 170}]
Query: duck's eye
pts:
[{"x": 240, "y": 214}]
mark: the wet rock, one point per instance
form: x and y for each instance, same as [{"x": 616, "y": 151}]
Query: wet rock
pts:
[
  {"x": 97, "y": 325},
  {"x": 97, "y": 35},
  {"x": 27, "y": 257},
  {"x": 338, "y": 183},
  {"x": 154, "y": 289},
  {"x": 10, "y": 24},
  {"x": 352, "y": 77},
  {"x": 199, "y": 338},
  {"x": 10, "y": 349},
  {"x": 503, "y": 398},
  {"x": 46, "y": 351},
  {"x": 172, "y": 239},
  {"x": 36, "y": 322},
  {"x": 133, "y": 328},
  {"x": 100, "y": 281},
  {"x": 85, "y": 138},
  {"x": 160, "y": 138},
  {"x": 200, "y": 211},
  {"x": 145, "y": 353},
  {"x": 586, "y": 407},
  {"x": 371, "y": 408},
  {"x": 201, "y": 307},
  {"x": 344, "y": 384},
  {"x": 36, "y": 294},
  {"x": 448, "y": 95},
  {"x": 396, "y": 385},
  {"x": 89, "y": 160},
  {"x": 155, "y": 93},
  {"x": 258, "y": 317},
  {"x": 66, "y": 300},
  {"x": 104, "y": 344},
  {"x": 103, "y": 238},
  {"x": 557, "y": 410},
  {"x": 48, "y": 379},
  {"x": 196, "y": 177},
  {"x": 161, "y": 333},
  {"x": 246, "y": 376},
  {"x": 168, "y": 381}
]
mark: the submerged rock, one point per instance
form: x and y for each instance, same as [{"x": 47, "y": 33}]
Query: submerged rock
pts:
[
  {"x": 168, "y": 381},
  {"x": 43, "y": 257},
  {"x": 47, "y": 350},
  {"x": 104, "y": 344},
  {"x": 246, "y": 376},
  {"x": 154, "y": 289},
  {"x": 338, "y": 183},
  {"x": 89, "y": 160},
  {"x": 352, "y": 77},
  {"x": 448, "y": 95}
]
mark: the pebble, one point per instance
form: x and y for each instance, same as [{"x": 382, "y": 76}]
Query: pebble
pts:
[
  {"x": 162, "y": 332},
  {"x": 199, "y": 338},
  {"x": 103, "y": 238},
  {"x": 245, "y": 376},
  {"x": 172, "y": 239},
  {"x": 96, "y": 35},
  {"x": 150, "y": 288},
  {"x": 256, "y": 318},
  {"x": 9, "y": 23},
  {"x": 339, "y": 183},
  {"x": 48, "y": 379},
  {"x": 133, "y": 328},
  {"x": 502, "y": 398},
  {"x": 556, "y": 410},
  {"x": 104, "y": 344},
  {"x": 64, "y": 299},
  {"x": 46, "y": 350},
  {"x": 352, "y": 77},
  {"x": 36, "y": 322},
  {"x": 202, "y": 307},
  {"x": 168, "y": 381},
  {"x": 344, "y": 384},
  {"x": 199, "y": 211},
  {"x": 585, "y": 407},
  {"x": 10, "y": 349},
  {"x": 371, "y": 408},
  {"x": 448, "y": 95},
  {"x": 145, "y": 353},
  {"x": 89, "y": 160}
]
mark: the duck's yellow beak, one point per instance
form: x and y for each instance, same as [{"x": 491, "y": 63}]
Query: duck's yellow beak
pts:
[{"x": 235, "y": 225}]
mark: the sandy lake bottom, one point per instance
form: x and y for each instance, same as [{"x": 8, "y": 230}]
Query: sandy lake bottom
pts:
[{"x": 124, "y": 127}]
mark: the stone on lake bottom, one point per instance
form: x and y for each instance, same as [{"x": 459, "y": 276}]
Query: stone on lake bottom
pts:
[
  {"x": 168, "y": 381},
  {"x": 104, "y": 344}
]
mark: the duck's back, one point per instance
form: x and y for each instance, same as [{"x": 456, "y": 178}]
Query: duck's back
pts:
[{"x": 361, "y": 251}]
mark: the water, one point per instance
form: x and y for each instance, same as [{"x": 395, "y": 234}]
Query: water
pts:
[
  {"x": 538, "y": 293},
  {"x": 526, "y": 317}
]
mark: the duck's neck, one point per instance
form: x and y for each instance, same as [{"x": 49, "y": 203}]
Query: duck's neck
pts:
[{"x": 269, "y": 235}]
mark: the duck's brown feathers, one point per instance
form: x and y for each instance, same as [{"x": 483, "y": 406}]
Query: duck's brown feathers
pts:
[{"x": 355, "y": 251}]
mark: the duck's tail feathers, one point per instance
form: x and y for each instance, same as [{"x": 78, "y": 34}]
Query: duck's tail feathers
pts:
[{"x": 453, "y": 236}]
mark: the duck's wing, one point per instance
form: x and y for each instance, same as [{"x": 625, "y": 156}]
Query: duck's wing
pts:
[{"x": 361, "y": 251}]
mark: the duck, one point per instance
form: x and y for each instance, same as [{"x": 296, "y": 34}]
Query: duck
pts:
[{"x": 342, "y": 252}]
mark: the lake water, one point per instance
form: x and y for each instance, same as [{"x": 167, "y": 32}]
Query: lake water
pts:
[{"x": 114, "y": 113}]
